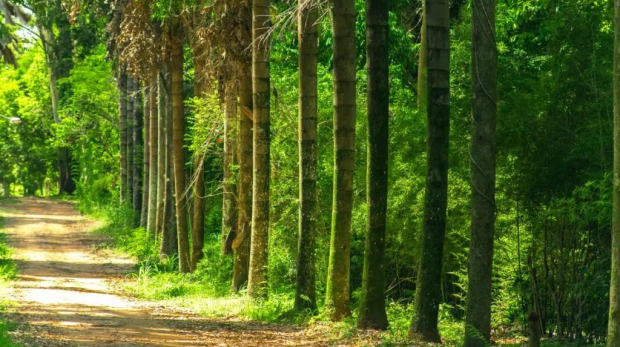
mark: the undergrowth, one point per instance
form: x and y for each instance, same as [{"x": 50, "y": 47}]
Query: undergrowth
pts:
[{"x": 8, "y": 271}]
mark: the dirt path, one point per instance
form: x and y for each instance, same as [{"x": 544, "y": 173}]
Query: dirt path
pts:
[{"x": 64, "y": 298}]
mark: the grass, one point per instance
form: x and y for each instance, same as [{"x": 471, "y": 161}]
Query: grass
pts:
[{"x": 8, "y": 271}]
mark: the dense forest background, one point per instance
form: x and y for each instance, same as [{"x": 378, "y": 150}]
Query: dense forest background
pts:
[{"x": 554, "y": 152}]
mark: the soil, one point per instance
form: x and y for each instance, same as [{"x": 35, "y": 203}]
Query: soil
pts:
[{"x": 64, "y": 295}]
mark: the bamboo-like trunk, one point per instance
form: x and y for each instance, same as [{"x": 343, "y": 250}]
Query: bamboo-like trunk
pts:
[
  {"x": 138, "y": 158},
  {"x": 613, "y": 329},
  {"x": 482, "y": 165},
  {"x": 428, "y": 289},
  {"x": 229, "y": 199},
  {"x": 147, "y": 155},
  {"x": 305, "y": 297},
  {"x": 130, "y": 148},
  {"x": 161, "y": 153},
  {"x": 198, "y": 220},
  {"x": 242, "y": 240},
  {"x": 337, "y": 294},
  {"x": 178, "y": 152},
  {"x": 372, "y": 307},
  {"x": 169, "y": 242},
  {"x": 122, "y": 88},
  {"x": 153, "y": 133},
  {"x": 257, "y": 280}
]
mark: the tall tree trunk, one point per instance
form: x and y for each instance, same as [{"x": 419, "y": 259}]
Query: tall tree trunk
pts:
[
  {"x": 169, "y": 243},
  {"x": 257, "y": 283},
  {"x": 337, "y": 295},
  {"x": 428, "y": 285},
  {"x": 130, "y": 127},
  {"x": 153, "y": 132},
  {"x": 305, "y": 297},
  {"x": 229, "y": 199},
  {"x": 372, "y": 307},
  {"x": 483, "y": 148},
  {"x": 147, "y": 155},
  {"x": 198, "y": 220},
  {"x": 122, "y": 89},
  {"x": 613, "y": 330},
  {"x": 242, "y": 240},
  {"x": 138, "y": 159},
  {"x": 161, "y": 152},
  {"x": 422, "y": 63},
  {"x": 178, "y": 152}
]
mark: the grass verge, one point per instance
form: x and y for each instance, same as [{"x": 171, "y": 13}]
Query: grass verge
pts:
[{"x": 8, "y": 271}]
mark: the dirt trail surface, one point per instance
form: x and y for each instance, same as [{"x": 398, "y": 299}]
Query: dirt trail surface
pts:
[{"x": 64, "y": 297}]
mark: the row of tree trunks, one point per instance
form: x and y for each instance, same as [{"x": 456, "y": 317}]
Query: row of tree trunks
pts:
[{"x": 138, "y": 158}]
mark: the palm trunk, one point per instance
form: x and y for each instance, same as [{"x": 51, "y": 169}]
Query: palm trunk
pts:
[
  {"x": 153, "y": 132},
  {"x": 147, "y": 155},
  {"x": 483, "y": 148},
  {"x": 169, "y": 242},
  {"x": 257, "y": 283},
  {"x": 161, "y": 153},
  {"x": 130, "y": 127},
  {"x": 428, "y": 289},
  {"x": 138, "y": 159},
  {"x": 305, "y": 297},
  {"x": 242, "y": 240},
  {"x": 337, "y": 294},
  {"x": 122, "y": 88},
  {"x": 178, "y": 152},
  {"x": 372, "y": 307},
  {"x": 613, "y": 330},
  {"x": 229, "y": 201}
]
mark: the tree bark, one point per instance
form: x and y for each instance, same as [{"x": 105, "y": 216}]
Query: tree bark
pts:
[
  {"x": 138, "y": 159},
  {"x": 122, "y": 89},
  {"x": 428, "y": 286},
  {"x": 337, "y": 295},
  {"x": 130, "y": 147},
  {"x": 372, "y": 307},
  {"x": 147, "y": 155},
  {"x": 242, "y": 240},
  {"x": 153, "y": 133},
  {"x": 161, "y": 153},
  {"x": 613, "y": 329},
  {"x": 305, "y": 297},
  {"x": 178, "y": 152},
  {"x": 229, "y": 199},
  {"x": 169, "y": 243},
  {"x": 422, "y": 67},
  {"x": 482, "y": 163},
  {"x": 257, "y": 283}
]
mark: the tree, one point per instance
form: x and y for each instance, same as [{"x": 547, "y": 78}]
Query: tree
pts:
[
  {"x": 257, "y": 279},
  {"x": 122, "y": 88},
  {"x": 242, "y": 240},
  {"x": 428, "y": 284},
  {"x": 613, "y": 329},
  {"x": 372, "y": 307},
  {"x": 161, "y": 152},
  {"x": 147, "y": 156},
  {"x": 337, "y": 296},
  {"x": 483, "y": 148},
  {"x": 198, "y": 225},
  {"x": 229, "y": 200},
  {"x": 130, "y": 145},
  {"x": 153, "y": 134},
  {"x": 305, "y": 297},
  {"x": 169, "y": 242},
  {"x": 138, "y": 159},
  {"x": 178, "y": 152}
]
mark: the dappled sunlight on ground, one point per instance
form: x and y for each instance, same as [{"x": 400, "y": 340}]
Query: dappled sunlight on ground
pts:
[{"x": 64, "y": 296}]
